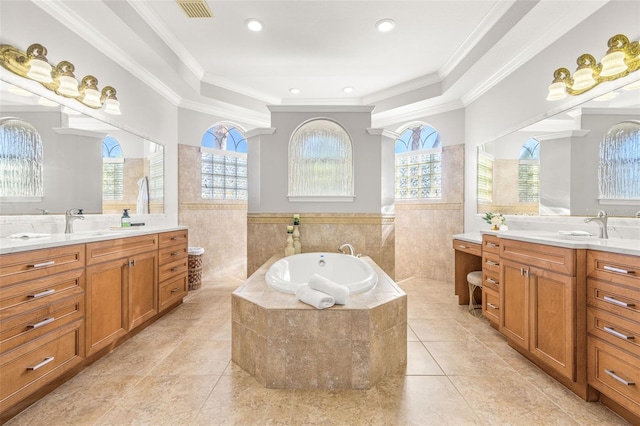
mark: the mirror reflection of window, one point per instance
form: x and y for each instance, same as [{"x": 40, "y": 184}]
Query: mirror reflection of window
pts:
[
  {"x": 224, "y": 163},
  {"x": 418, "y": 153},
  {"x": 619, "y": 163},
  {"x": 485, "y": 177},
  {"x": 21, "y": 160},
  {"x": 112, "y": 174},
  {"x": 529, "y": 172}
]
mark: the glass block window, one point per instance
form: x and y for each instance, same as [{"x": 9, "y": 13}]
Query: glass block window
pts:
[
  {"x": 21, "y": 159},
  {"x": 320, "y": 160},
  {"x": 619, "y": 164},
  {"x": 485, "y": 178},
  {"x": 224, "y": 163},
  {"x": 112, "y": 170},
  {"x": 529, "y": 172},
  {"x": 418, "y": 168}
]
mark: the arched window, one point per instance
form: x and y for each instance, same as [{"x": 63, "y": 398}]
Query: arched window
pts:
[
  {"x": 21, "y": 160},
  {"x": 224, "y": 163},
  {"x": 320, "y": 161},
  {"x": 112, "y": 170},
  {"x": 418, "y": 163},
  {"x": 529, "y": 172},
  {"x": 619, "y": 165}
]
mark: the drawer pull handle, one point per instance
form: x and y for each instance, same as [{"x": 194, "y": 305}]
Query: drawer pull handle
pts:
[
  {"x": 175, "y": 253},
  {"x": 618, "y": 378},
  {"x": 619, "y": 302},
  {"x": 174, "y": 290},
  {"x": 175, "y": 268},
  {"x": 492, "y": 245},
  {"x": 46, "y": 361},
  {"x": 41, "y": 323},
  {"x": 40, "y": 265},
  {"x": 463, "y": 247},
  {"x": 492, "y": 306},
  {"x": 492, "y": 281},
  {"x": 489, "y": 262},
  {"x": 42, "y": 293},
  {"x": 175, "y": 238},
  {"x": 613, "y": 269},
  {"x": 617, "y": 333}
]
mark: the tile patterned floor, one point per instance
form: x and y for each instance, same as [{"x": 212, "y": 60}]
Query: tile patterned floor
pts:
[{"x": 178, "y": 372}]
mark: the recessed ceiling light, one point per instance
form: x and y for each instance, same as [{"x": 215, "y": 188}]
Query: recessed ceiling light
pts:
[
  {"x": 347, "y": 89},
  {"x": 385, "y": 25},
  {"x": 294, "y": 90},
  {"x": 254, "y": 24}
]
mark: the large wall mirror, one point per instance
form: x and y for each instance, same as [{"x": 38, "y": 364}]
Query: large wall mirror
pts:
[
  {"x": 552, "y": 167},
  {"x": 53, "y": 158}
]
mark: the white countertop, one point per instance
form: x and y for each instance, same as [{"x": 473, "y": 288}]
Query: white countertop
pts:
[
  {"x": 615, "y": 245},
  {"x": 12, "y": 245}
]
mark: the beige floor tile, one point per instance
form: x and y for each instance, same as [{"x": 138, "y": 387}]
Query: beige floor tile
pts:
[
  {"x": 467, "y": 358},
  {"x": 439, "y": 330},
  {"x": 195, "y": 358},
  {"x": 420, "y": 362}
]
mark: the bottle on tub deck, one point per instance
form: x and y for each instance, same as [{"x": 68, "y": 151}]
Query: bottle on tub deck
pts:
[
  {"x": 125, "y": 220},
  {"x": 289, "y": 250},
  {"x": 297, "y": 245}
]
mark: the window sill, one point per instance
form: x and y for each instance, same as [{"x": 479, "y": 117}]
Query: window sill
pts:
[
  {"x": 21, "y": 199},
  {"x": 625, "y": 202},
  {"x": 321, "y": 198}
]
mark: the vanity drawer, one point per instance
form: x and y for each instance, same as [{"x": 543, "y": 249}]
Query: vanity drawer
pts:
[
  {"x": 552, "y": 258},
  {"x": 174, "y": 238},
  {"x": 34, "y": 264},
  {"x": 173, "y": 290},
  {"x": 620, "y": 300},
  {"x": 171, "y": 254},
  {"x": 615, "y": 330},
  {"x": 39, "y": 292},
  {"x": 20, "y": 329},
  {"x": 104, "y": 251},
  {"x": 615, "y": 373},
  {"x": 170, "y": 270},
  {"x": 491, "y": 305},
  {"x": 24, "y": 370},
  {"x": 491, "y": 280},
  {"x": 491, "y": 263},
  {"x": 617, "y": 268},
  {"x": 467, "y": 247},
  {"x": 491, "y": 244}
]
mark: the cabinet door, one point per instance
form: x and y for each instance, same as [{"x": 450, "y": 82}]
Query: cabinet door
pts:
[
  {"x": 551, "y": 320},
  {"x": 143, "y": 288},
  {"x": 106, "y": 313},
  {"x": 514, "y": 303}
]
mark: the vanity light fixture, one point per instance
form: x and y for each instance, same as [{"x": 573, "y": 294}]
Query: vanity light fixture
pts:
[
  {"x": 33, "y": 65},
  {"x": 622, "y": 58}
]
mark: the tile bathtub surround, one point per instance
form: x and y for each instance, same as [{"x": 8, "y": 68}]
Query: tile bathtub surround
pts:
[
  {"x": 178, "y": 371},
  {"x": 370, "y": 234},
  {"x": 286, "y": 344}
]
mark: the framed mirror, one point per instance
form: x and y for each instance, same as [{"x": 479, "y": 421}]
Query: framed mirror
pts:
[
  {"x": 82, "y": 162},
  {"x": 552, "y": 167}
]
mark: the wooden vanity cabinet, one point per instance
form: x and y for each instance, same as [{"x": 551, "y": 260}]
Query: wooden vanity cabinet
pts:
[
  {"x": 468, "y": 258},
  {"x": 122, "y": 288},
  {"x": 538, "y": 315},
  {"x": 613, "y": 326},
  {"x": 173, "y": 267},
  {"x": 41, "y": 322},
  {"x": 491, "y": 279}
]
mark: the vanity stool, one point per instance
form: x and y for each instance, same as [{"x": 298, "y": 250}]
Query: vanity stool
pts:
[{"x": 475, "y": 281}]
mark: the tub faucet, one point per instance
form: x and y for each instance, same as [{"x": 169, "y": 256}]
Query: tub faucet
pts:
[
  {"x": 69, "y": 216},
  {"x": 601, "y": 220},
  {"x": 349, "y": 246}
]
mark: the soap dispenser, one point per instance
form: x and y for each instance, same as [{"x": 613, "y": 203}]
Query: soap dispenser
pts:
[{"x": 125, "y": 220}]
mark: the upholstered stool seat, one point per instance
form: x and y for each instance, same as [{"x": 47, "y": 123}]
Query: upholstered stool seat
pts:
[{"x": 475, "y": 281}]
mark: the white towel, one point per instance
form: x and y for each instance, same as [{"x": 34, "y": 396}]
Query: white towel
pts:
[
  {"x": 314, "y": 298},
  {"x": 28, "y": 235},
  {"x": 339, "y": 292}
]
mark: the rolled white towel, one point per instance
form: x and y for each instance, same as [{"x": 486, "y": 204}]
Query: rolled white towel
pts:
[
  {"x": 339, "y": 292},
  {"x": 314, "y": 298}
]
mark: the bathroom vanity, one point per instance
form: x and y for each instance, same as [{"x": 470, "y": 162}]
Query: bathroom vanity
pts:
[
  {"x": 69, "y": 299},
  {"x": 569, "y": 305}
]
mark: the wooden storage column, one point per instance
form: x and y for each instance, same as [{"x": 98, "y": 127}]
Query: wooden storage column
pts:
[
  {"x": 41, "y": 323},
  {"x": 172, "y": 268},
  {"x": 491, "y": 279},
  {"x": 468, "y": 258},
  {"x": 613, "y": 324}
]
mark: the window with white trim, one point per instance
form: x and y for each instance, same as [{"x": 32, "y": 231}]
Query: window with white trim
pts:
[
  {"x": 224, "y": 163},
  {"x": 418, "y": 168},
  {"x": 529, "y": 172},
  {"x": 112, "y": 170}
]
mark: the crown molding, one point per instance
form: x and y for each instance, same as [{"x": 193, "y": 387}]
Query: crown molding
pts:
[
  {"x": 412, "y": 112},
  {"x": 228, "y": 112},
  {"x": 562, "y": 135},
  {"x": 320, "y": 108},
  {"x": 402, "y": 88}
]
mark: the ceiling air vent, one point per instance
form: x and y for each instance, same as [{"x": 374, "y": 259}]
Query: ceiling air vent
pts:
[{"x": 195, "y": 8}]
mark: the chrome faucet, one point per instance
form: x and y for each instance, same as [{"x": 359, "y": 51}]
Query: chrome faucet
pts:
[
  {"x": 601, "y": 220},
  {"x": 346, "y": 245},
  {"x": 69, "y": 216}
]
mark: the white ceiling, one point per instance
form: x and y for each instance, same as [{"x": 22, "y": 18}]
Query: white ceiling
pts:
[{"x": 441, "y": 54}]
